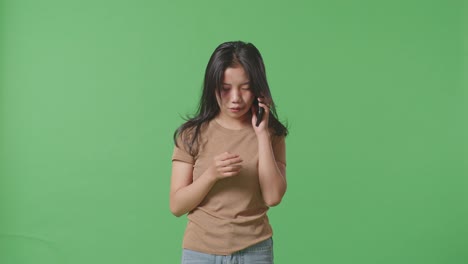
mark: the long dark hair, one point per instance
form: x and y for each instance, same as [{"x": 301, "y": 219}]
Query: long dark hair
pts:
[{"x": 228, "y": 54}]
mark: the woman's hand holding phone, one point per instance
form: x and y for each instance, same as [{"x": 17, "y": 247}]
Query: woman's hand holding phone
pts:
[{"x": 260, "y": 114}]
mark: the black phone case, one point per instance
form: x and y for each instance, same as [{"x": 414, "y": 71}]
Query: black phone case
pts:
[{"x": 260, "y": 112}]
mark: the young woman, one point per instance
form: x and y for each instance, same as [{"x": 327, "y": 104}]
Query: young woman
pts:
[{"x": 227, "y": 168}]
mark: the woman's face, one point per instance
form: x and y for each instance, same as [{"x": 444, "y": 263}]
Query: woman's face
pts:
[{"x": 236, "y": 95}]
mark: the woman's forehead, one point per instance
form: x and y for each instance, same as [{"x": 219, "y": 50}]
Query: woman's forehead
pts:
[{"x": 236, "y": 75}]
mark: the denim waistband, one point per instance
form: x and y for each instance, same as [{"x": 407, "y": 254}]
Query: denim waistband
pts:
[{"x": 264, "y": 245}]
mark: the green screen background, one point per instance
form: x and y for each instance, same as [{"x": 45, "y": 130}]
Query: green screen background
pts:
[{"x": 374, "y": 93}]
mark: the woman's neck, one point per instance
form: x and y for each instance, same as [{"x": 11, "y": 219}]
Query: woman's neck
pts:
[{"x": 234, "y": 124}]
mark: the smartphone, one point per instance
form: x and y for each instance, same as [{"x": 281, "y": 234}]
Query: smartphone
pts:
[{"x": 260, "y": 112}]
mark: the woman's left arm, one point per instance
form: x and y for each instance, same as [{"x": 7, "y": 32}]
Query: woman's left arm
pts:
[{"x": 272, "y": 173}]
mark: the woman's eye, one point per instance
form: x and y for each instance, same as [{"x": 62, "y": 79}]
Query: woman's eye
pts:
[{"x": 245, "y": 88}]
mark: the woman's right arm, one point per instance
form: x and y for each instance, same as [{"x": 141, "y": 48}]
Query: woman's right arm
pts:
[{"x": 186, "y": 194}]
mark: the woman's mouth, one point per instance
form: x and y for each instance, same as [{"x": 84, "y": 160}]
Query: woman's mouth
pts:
[{"x": 235, "y": 109}]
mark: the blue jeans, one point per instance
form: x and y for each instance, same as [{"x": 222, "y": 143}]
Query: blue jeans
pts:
[{"x": 259, "y": 253}]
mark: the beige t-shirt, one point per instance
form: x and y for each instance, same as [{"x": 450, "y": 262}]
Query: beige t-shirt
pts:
[{"x": 232, "y": 216}]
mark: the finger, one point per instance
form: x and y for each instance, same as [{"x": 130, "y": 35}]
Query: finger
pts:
[
  {"x": 229, "y": 174},
  {"x": 235, "y": 168},
  {"x": 228, "y": 162},
  {"x": 227, "y": 155},
  {"x": 264, "y": 106},
  {"x": 230, "y": 169},
  {"x": 231, "y": 161}
]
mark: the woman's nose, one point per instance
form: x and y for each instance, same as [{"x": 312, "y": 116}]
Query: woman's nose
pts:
[{"x": 235, "y": 95}]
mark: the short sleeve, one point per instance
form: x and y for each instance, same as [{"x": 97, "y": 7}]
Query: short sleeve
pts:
[
  {"x": 279, "y": 148},
  {"x": 181, "y": 154}
]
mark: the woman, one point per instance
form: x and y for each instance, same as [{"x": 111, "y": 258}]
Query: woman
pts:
[{"x": 227, "y": 168}]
